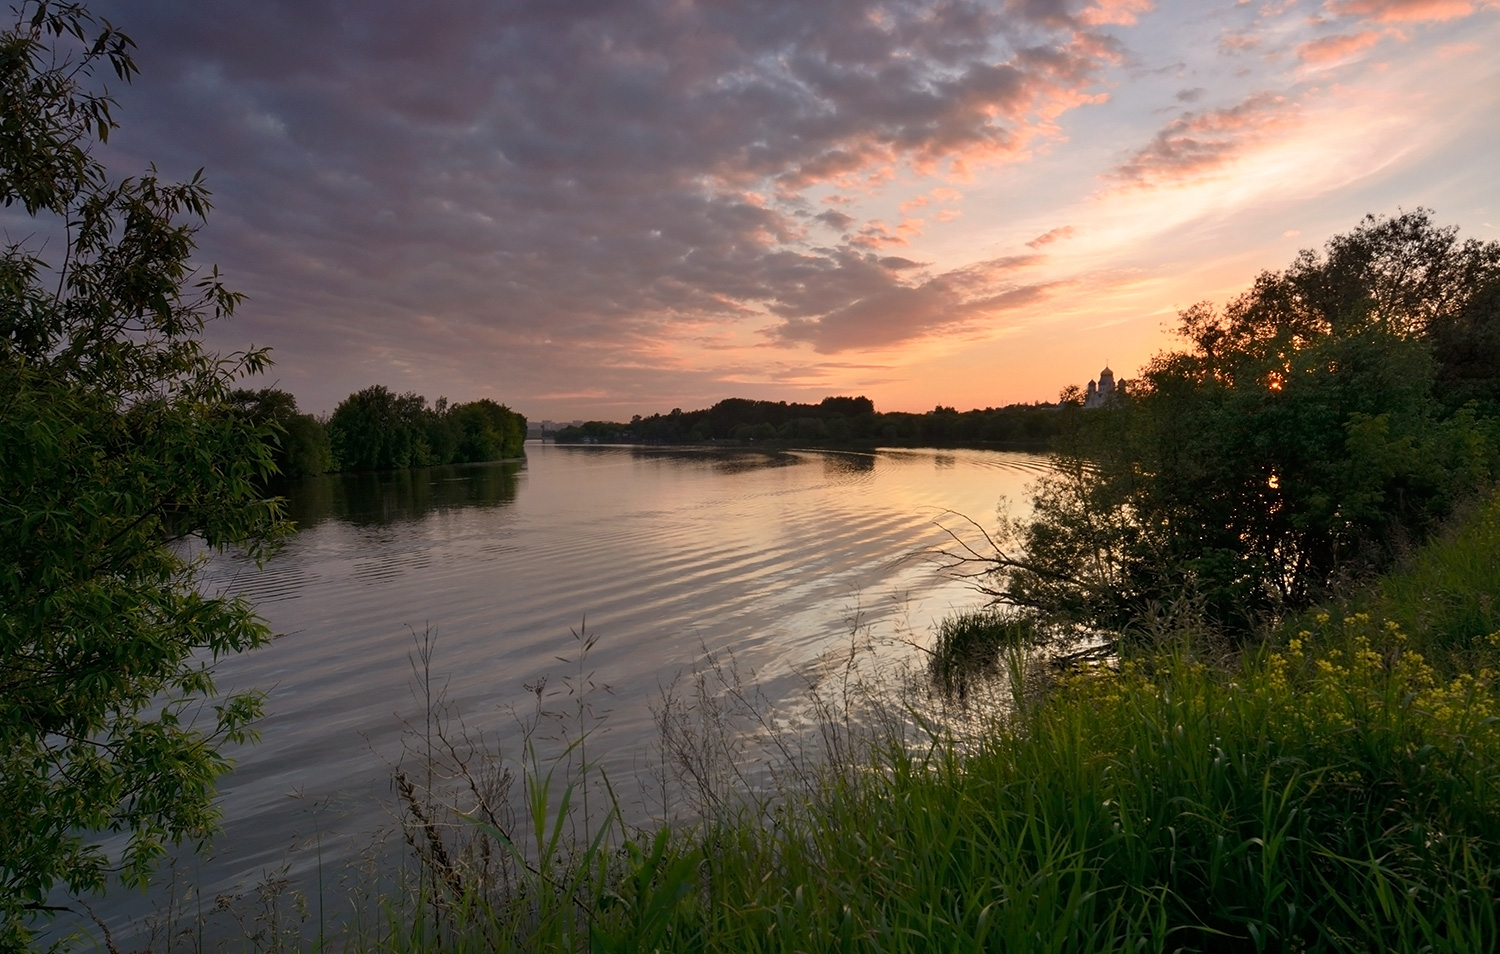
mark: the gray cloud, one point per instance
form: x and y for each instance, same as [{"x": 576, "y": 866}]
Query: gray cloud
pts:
[
  {"x": 888, "y": 312},
  {"x": 509, "y": 197}
]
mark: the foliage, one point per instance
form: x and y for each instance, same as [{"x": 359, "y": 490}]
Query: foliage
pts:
[
  {"x": 836, "y": 420},
  {"x": 1443, "y": 596},
  {"x": 376, "y": 429},
  {"x": 1298, "y": 439},
  {"x": 117, "y": 448},
  {"x": 302, "y": 445},
  {"x": 487, "y": 431}
]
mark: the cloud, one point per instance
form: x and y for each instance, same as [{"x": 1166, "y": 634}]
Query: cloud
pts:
[
  {"x": 1232, "y": 42},
  {"x": 566, "y": 186},
  {"x": 835, "y": 219},
  {"x": 1401, "y": 11},
  {"x": 1115, "y": 12},
  {"x": 890, "y": 311},
  {"x": 1052, "y": 235},
  {"x": 1198, "y": 143},
  {"x": 1332, "y": 49}
]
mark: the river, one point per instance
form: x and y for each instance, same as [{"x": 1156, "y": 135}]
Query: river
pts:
[{"x": 663, "y": 554}]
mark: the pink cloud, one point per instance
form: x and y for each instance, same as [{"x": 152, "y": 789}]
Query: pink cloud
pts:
[
  {"x": 1115, "y": 12},
  {"x": 1052, "y": 235},
  {"x": 889, "y": 311},
  {"x": 1332, "y": 49},
  {"x": 1401, "y": 11},
  {"x": 1200, "y": 142},
  {"x": 1237, "y": 41},
  {"x": 877, "y": 234}
]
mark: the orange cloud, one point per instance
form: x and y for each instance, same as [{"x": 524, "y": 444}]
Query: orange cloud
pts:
[
  {"x": 1332, "y": 49},
  {"x": 1401, "y": 11}
]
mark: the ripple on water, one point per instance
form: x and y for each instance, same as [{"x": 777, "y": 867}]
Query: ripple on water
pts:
[{"x": 664, "y": 552}]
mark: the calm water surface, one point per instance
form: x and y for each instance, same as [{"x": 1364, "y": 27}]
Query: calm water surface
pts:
[{"x": 664, "y": 552}]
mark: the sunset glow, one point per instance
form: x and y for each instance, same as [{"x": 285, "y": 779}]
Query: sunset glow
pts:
[{"x": 602, "y": 209}]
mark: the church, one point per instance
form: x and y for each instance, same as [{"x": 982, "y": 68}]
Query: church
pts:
[{"x": 1103, "y": 391}]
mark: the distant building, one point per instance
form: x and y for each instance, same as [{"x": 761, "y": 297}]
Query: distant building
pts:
[{"x": 1104, "y": 390}]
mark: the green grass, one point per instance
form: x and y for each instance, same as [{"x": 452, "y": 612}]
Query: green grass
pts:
[
  {"x": 1326, "y": 798},
  {"x": 972, "y": 646},
  {"x": 1447, "y": 596}
]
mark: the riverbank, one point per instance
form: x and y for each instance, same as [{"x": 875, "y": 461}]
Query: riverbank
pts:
[{"x": 1337, "y": 788}]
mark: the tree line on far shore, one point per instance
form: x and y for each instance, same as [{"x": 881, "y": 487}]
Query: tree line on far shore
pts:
[
  {"x": 377, "y": 429},
  {"x": 834, "y": 420}
]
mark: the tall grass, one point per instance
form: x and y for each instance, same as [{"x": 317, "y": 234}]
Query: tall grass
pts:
[
  {"x": 1338, "y": 794},
  {"x": 1447, "y": 595},
  {"x": 1331, "y": 796},
  {"x": 971, "y": 647}
]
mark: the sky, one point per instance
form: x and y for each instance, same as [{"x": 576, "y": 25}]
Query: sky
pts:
[{"x": 600, "y": 208}]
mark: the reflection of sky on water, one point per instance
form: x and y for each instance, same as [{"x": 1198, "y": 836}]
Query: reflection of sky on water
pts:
[{"x": 665, "y": 553}]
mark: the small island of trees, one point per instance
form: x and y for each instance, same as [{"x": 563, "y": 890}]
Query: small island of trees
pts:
[{"x": 377, "y": 429}]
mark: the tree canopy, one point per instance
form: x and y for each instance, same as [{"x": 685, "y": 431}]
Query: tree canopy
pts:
[
  {"x": 1309, "y": 431},
  {"x": 302, "y": 446},
  {"x": 377, "y": 429},
  {"x": 118, "y": 447},
  {"x": 836, "y": 420}
]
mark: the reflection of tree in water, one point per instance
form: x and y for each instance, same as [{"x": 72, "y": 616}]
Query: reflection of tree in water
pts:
[
  {"x": 723, "y": 461},
  {"x": 395, "y": 496},
  {"x": 846, "y": 468}
]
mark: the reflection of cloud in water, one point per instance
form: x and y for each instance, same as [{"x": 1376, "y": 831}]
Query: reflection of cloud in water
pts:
[
  {"x": 372, "y": 572},
  {"x": 276, "y": 582}
]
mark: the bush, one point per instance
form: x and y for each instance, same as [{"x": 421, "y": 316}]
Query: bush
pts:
[
  {"x": 1296, "y": 441},
  {"x": 119, "y": 442}
]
